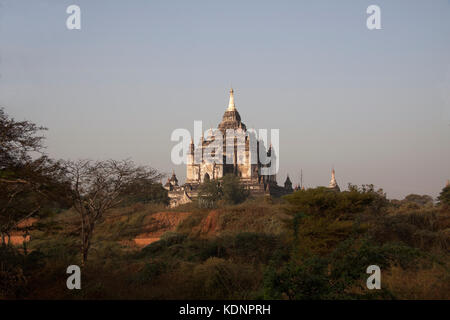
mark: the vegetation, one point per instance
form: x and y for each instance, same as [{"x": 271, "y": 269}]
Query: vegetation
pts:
[
  {"x": 282, "y": 250},
  {"x": 97, "y": 187},
  {"x": 312, "y": 244},
  {"x": 30, "y": 182},
  {"x": 444, "y": 197},
  {"x": 227, "y": 190}
]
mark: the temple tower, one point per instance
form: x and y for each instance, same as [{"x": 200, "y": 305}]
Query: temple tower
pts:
[{"x": 333, "y": 184}]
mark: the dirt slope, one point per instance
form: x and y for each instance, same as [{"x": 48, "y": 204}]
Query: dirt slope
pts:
[{"x": 157, "y": 224}]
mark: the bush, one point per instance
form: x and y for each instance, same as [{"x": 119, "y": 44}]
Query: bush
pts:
[
  {"x": 419, "y": 200},
  {"x": 209, "y": 193},
  {"x": 339, "y": 275},
  {"x": 229, "y": 189},
  {"x": 15, "y": 270},
  {"x": 150, "y": 272},
  {"x": 251, "y": 247},
  {"x": 444, "y": 196},
  {"x": 233, "y": 191},
  {"x": 322, "y": 201},
  {"x": 422, "y": 229},
  {"x": 298, "y": 282},
  {"x": 217, "y": 278},
  {"x": 145, "y": 191}
]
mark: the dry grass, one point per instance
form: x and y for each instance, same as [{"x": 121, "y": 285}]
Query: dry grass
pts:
[
  {"x": 423, "y": 284},
  {"x": 251, "y": 216}
]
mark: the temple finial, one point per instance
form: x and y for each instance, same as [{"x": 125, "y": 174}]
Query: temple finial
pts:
[{"x": 231, "y": 106}]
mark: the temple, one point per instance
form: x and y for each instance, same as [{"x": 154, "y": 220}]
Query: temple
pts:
[{"x": 238, "y": 159}]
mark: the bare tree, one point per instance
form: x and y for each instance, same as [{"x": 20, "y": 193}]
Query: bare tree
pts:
[{"x": 100, "y": 186}]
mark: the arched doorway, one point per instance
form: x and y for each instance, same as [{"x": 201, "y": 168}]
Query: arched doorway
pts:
[{"x": 206, "y": 177}]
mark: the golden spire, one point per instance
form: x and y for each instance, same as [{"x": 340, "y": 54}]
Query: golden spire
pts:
[{"x": 231, "y": 106}]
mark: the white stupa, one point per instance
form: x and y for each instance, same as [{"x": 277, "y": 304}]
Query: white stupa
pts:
[{"x": 333, "y": 184}]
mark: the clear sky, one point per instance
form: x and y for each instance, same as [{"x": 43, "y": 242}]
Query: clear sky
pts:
[{"x": 373, "y": 104}]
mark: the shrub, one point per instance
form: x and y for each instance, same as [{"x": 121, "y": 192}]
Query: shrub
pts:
[
  {"x": 209, "y": 193},
  {"x": 337, "y": 275},
  {"x": 150, "y": 271},
  {"x": 15, "y": 271},
  {"x": 423, "y": 229},
  {"x": 444, "y": 196},
  {"x": 322, "y": 201},
  {"x": 298, "y": 282},
  {"x": 251, "y": 247},
  {"x": 217, "y": 278},
  {"x": 229, "y": 189},
  {"x": 419, "y": 200},
  {"x": 233, "y": 191}
]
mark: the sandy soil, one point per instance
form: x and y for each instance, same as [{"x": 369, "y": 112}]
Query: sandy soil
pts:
[
  {"x": 209, "y": 226},
  {"x": 157, "y": 224},
  {"x": 17, "y": 236}
]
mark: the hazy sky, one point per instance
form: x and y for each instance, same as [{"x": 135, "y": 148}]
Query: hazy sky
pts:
[{"x": 373, "y": 104}]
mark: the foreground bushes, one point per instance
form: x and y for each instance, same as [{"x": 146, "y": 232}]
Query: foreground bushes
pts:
[
  {"x": 15, "y": 271},
  {"x": 254, "y": 250},
  {"x": 339, "y": 275}
]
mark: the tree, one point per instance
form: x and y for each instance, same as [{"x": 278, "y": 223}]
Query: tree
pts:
[
  {"x": 322, "y": 201},
  {"x": 18, "y": 139},
  {"x": 229, "y": 189},
  {"x": 29, "y": 180},
  {"x": 209, "y": 193},
  {"x": 419, "y": 200},
  {"x": 97, "y": 187},
  {"x": 444, "y": 196},
  {"x": 29, "y": 189},
  {"x": 233, "y": 191},
  {"x": 146, "y": 191}
]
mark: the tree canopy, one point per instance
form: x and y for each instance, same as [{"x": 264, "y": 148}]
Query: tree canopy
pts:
[{"x": 29, "y": 180}]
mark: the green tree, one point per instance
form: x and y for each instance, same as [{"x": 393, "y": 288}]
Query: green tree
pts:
[
  {"x": 444, "y": 196},
  {"x": 332, "y": 276},
  {"x": 209, "y": 193},
  {"x": 233, "y": 191},
  {"x": 322, "y": 201},
  {"x": 146, "y": 191},
  {"x": 419, "y": 200},
  {"x": 30, "y": 182}
]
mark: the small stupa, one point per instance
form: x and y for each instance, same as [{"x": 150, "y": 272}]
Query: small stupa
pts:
[{"x": 333, "y": 184}]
